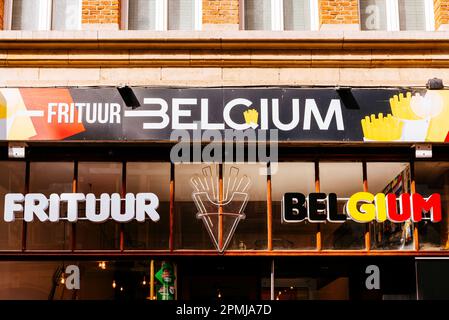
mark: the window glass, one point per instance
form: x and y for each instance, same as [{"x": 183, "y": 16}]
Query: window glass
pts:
[
  {"x": 48, "y": 178},
  {"x": 389, "y": 177},
  {"x": 433, "y": 177},
  {"x": 251, "y": 232},
  {"x": 12, "y": 180},
  {"x": 99, "y": 280},
  {"x": 292, "y": 177},
  {"x": 181, "y": 14},
  {"x": 189, "y": 231},
  {"x": 412, "y": 15},
  {"x": 155, "y": 178},
  {"x": 373, "y": 14},
  {"x": 98, "y": 178},
  {"x": 257, "y": 14},
  {"x": 296, "y": 15},
  {"x": 141, "y": 14},
  {"x": 344, "y": 179},
  {"x": 25, "y": 14},
  {"x": 66, "y": 15}
]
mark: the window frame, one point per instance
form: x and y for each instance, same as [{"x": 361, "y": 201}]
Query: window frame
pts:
[
  {"x": 161, "y": 16},
  {"x": 393, "y": 17},
  {"x": 277, "y": 16},
  {"x": 45, "y": 16}
]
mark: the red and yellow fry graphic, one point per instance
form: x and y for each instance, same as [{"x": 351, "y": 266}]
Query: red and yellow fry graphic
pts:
[{"x": 36, "y": 101}]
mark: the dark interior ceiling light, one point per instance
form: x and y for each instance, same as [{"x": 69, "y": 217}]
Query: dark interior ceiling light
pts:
[
  {"x": 128, "y": 97},
  {"x": 346, "y": 96},
  {"x": 435, "y": 84}
]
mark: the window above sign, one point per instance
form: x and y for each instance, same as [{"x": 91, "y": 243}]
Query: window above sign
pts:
[
  {"x": 397, "y": 15},
  {"x": 280, "y": 15},
  {"x": 161, "y": 15},
  {"x": 43, "y": 14}
]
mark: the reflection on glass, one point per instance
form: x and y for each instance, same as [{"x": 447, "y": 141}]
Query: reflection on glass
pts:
[
  {"x": 189, "y": 230},
  {"x": 433, "y": 177},
  {"x": 118, "y": 280},
  {"x": 12, "y": 180},
  {"x": 257, "y": 14},
  {"x": 412, "y": 15},
  {"x": 48, "y": 178},
  {"x": 251, "y": 232},
  {"x": 390, "y": 178},
  {"x": 98, "y": 178},
  {"x": 292, "y": 177},
  {"x": 344, "y": 179},
  {"x": 155, "y": 178},
  {"x": 296, "y": 14},
  {"x": 373, "y": 14}
]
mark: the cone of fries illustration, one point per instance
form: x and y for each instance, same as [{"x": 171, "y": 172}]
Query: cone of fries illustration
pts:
[
  {"x": 220, "y": 205},
  {"x": 413, "y": 118}
]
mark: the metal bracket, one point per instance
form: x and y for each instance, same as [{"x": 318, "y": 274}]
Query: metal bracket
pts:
[
  {"x": 423, "y": 151},
  {"x": 16, "y": 150}
]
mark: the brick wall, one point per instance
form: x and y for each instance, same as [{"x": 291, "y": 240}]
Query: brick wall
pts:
[
  {"x": 441, "y": 13},
  {"x": 339, "y": 12},
  {"x": 101, "y": 12},
  {"x": 220, "y": 11}
]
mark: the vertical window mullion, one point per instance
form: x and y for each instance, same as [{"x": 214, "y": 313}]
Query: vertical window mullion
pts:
[
  {"x": 392, "y": 15},
  {"x": 45, "y": 8},
  {"x": 269, "y": 209},
  {"x": 74, "y": 190},
  {"x": 25, "y": 191},
  {"x": 172, "y": 207},
  {"x": 122, "y": 206},
  {"x": 161, "y": 12},
  {"x": 412, "y": 191},
  {"x": 365, "y": 189},
  {"x": 7, "y": 16},
  {"x": 319, "y": 244},
  {"x": 430, "y": 15},
  {"x": 314, "y": 15},
  {"x": 198, "y": 17},
  {"x": 125, "y": 14},
  {"x": 277, "y": 14}
]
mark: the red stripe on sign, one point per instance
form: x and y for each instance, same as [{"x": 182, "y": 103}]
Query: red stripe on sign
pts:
[{"x": 38, "y": 99}]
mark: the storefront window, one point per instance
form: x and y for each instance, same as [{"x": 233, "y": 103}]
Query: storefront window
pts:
[
  {"x": 390, "y": 178},
  {"x": 433, "y": 177},
  {"x": 155, "y": 178},
  {"x": 12, "y": 180},
  {"x": 190, "y": 232},
  {"x": 251, "y": 232},
  {"x": 344, "y": 179},
  {"x": 48, "y": 178},
  {"x": 98, "y": 178},
  {"x": 99, "y": 280},
  {"x": 292, "y": 177}
]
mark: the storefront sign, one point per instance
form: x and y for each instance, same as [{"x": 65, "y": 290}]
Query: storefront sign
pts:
[
  {"x": 298, "y": 114},
  {"x": 361, "y": 207},
  {"x": 37, "y": 205}
]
